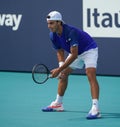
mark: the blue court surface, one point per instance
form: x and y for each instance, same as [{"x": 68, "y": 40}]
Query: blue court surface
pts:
[{"x": 21, "y": 101}]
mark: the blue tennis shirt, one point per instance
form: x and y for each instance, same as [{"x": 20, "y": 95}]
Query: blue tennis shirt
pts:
[{"x": 72, "y": 36}]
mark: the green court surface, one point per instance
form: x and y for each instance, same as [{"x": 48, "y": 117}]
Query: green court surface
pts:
[{"x": 21, "y": 101}]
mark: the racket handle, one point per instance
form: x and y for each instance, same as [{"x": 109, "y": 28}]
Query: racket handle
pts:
[
  {"x": 58, "y": 77},
  {"x": 50, "y": 76}
]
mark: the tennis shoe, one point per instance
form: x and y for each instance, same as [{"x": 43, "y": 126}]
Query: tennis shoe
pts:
[
  {"x": 94, "y": 114},
  {"x": 54, "y": 106}
]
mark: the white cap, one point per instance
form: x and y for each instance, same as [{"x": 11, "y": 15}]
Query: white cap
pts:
[{"x": 54, "y": 15}]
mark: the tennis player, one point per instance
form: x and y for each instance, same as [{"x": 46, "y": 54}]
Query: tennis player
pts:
[{"x": 83, "y": 52}]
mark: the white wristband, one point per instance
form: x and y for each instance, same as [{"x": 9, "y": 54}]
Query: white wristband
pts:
[{"x": 61, "y": 63}]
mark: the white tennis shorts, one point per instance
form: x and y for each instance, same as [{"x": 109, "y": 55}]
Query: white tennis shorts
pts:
[{"x": 87, "y": 59}]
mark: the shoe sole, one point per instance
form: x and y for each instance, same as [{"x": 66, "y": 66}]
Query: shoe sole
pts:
[
  {"x": 94, "y": 117},
  {"x": 48, "y": 109}
]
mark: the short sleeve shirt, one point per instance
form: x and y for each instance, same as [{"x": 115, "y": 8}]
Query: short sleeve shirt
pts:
[{"x": 72, "y": 36}]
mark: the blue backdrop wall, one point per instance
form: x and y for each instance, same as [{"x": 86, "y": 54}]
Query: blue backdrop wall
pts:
[{"x": 24, "y": 36}]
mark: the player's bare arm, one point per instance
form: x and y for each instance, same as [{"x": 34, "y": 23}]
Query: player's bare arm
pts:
[
  {"x": 60, "y": 55},
  {"x": 74, "y": 53}
]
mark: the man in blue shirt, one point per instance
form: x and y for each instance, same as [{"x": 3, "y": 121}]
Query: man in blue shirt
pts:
[{"x": 82, "y": 51}]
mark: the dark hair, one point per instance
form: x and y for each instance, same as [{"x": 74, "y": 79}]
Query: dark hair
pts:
[
  {"x": 48, "y": 17},
  {"x": 60, "y": 21}
]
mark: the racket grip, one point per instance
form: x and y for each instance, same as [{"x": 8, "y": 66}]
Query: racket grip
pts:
[{"x": 50, "y": 76}]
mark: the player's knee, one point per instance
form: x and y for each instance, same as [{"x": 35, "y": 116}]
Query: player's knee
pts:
[
  {"x": 87, "y": 72},
  {"x": 63, "y": 77},
  {"x": 90, "y": 72}
]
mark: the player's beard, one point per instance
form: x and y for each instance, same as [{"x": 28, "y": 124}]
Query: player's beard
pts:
[{"x": 55, "y": 29}]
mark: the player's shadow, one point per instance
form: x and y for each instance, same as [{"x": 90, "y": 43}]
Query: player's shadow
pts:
[
  {"x": 103, "y": 114},
  {"x": 110, "y": 115}
]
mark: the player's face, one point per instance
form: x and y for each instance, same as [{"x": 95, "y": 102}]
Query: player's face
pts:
[{"x": 53, "y": 26}]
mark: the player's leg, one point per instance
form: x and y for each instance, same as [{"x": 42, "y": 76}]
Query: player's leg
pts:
[
  {"x": 63, "y": 81},
  {"x": 90, "y": 60},
  {"x": 91, "y": 74},
  {"x": 62, "y": 85},
  {"x": 94, "y": 86}
]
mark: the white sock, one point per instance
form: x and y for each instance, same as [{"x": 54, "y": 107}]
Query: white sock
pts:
[
  {"x": 59, "y": 98},
  {"x": 95, "y": 103}
]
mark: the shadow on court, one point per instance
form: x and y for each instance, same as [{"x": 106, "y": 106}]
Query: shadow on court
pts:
[
  {"x": 105, "y": 115},
  {"x": 111, "y": 115}
]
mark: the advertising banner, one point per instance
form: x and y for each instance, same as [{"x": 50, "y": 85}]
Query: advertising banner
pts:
[{"x": 101, "y": 18}]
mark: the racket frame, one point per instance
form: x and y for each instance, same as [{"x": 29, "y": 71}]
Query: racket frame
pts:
[{"x": 47, "y": 73}]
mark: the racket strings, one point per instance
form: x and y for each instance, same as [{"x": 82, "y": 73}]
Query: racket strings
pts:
[{"x": 40, "y": 74}]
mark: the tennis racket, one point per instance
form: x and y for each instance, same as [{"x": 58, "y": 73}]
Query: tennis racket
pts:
[{"x": 40, "y": 73}]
